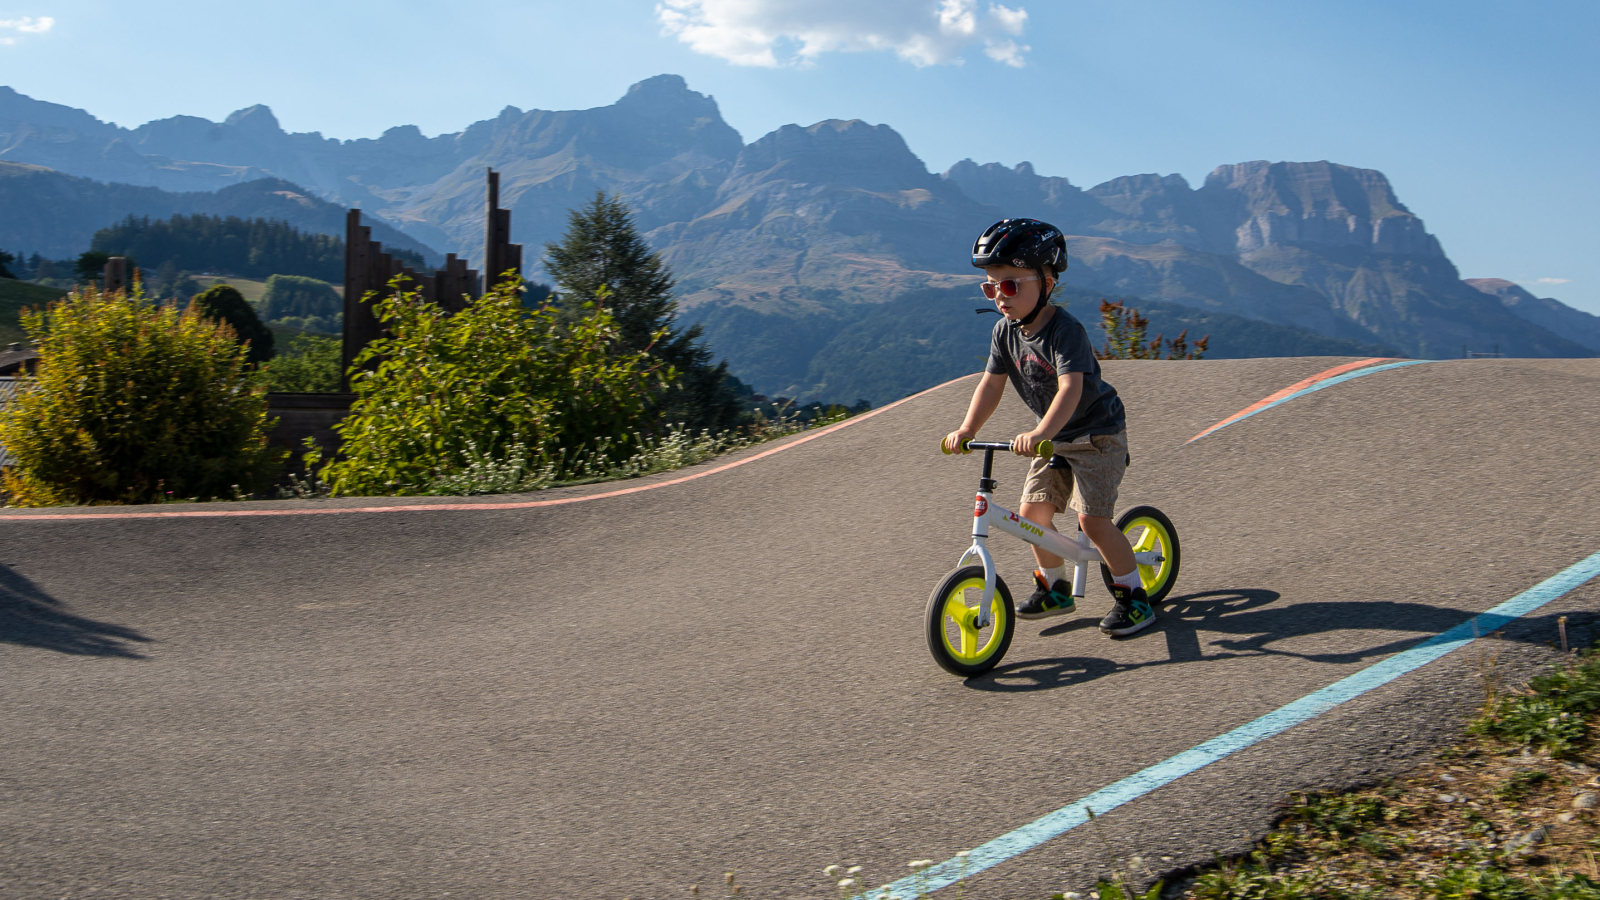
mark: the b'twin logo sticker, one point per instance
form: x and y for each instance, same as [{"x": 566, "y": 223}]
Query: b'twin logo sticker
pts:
[{"x": 981, "y": 507}]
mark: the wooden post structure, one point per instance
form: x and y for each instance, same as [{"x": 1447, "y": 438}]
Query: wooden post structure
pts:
[
  {"x": 499, "y": 254},
  {"x": 360, "y": 324},
  {"x": 368, "y": 270},
  {"x": 116, "y": 274}
]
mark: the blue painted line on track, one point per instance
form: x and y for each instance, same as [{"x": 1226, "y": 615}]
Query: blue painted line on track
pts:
[
  {"x": 1276, "y": 722},
  {"x": 1338, "y": 379}
]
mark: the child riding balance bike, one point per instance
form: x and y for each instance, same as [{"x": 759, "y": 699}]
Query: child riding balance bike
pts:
[{"x": 1080, "y": 451}]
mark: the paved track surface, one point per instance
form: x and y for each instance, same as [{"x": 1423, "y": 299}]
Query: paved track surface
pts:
[{"x": 623, "y": 697}]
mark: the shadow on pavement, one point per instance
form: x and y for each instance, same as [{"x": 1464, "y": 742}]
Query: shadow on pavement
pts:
[
  {"x": 31, "y": 618},
  {"x": 1238, "y": 623}
]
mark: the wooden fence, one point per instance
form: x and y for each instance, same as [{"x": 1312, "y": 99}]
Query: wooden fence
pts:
[{"x": 368, "y": 272}]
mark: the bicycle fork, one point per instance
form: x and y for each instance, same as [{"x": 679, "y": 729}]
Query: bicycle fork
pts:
[{"x": 980, "y": 551}]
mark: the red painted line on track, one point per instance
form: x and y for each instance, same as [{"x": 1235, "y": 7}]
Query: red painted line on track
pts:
[
  {"x": 1297, "y": 386},
  {"x": 434, "y": 507}
]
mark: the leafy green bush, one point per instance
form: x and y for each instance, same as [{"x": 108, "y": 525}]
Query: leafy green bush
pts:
[
  {"x": 133, "y": 403},
  {"x": 224, "y": 303},
  {"x": 311, "y": 365},
  {"x": 493, "y": 384}
]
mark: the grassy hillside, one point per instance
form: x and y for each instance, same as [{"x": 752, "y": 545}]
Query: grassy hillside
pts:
[
  {"x": 249, "y": 287},
  {"x": 14, "y": 296}
]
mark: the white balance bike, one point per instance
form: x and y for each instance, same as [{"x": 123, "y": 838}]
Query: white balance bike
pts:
[{"x": 971, "y": 617}]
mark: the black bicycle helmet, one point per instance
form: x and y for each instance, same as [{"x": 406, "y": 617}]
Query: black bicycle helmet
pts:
[{"x": 1026, "y": 244}]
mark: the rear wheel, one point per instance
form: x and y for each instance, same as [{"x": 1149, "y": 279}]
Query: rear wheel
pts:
[
  {"x": 1149, "y": 529},
  {"x": 958, "y": 645}
]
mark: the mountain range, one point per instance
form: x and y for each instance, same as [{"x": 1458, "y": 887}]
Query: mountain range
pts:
[
  {"x": 56, "y": 215},
  {"x": 811, "y": 231}
]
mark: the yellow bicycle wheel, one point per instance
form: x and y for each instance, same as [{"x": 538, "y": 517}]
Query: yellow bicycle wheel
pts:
[
  {"x": 1149, "y": 529},
  {"x": 956, "y": 641}
]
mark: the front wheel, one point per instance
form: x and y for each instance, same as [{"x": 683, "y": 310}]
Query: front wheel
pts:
[
  {"x": 958, "y": 645},
  {"x": 1149, "y": 529}
]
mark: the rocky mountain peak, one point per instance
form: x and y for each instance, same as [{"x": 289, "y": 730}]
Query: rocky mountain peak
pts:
[
  {"x": 658, "y": 87},
  {"x": 256, "y": 119},
  {"x": 20, "y": 108},
  {"x": 1020, "y": 191},
  {"x": 1509, "y": 292},
  {"x": 668, "y": 97},
  {"x": 403, "y": 134},
  {"x": 836, "y": 151},
  {"x": 1315, "y": 202}
]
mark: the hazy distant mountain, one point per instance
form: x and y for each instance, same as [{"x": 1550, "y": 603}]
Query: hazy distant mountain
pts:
[
  {"x": 43, "y": 211},
  {"x": 1546, "y": 312},
  {"x": 841, "y": 206},
  {"x": 809, "y": 230},
  {"x": 1316, "y": 245}
]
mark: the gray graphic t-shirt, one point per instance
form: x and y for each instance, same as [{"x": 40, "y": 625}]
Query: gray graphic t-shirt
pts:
[{"x": 1033, "y": 365}]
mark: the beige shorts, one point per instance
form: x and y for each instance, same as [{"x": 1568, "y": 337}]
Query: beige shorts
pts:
[{"x": 1090, "y": 485}]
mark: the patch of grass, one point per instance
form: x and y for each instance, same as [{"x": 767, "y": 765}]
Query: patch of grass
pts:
[
  {"x": 1519, "y": 784},
  {"x": 249, "y": 287},
  {"x": 1552, "y": 713},
  {"x": 1341, "y": 815},
  {"x": 1250, "y": 879},
  {"x": 1507, "y": 814},
  {"x": 16, "y": 296}
]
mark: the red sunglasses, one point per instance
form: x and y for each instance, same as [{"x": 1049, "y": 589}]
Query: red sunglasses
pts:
[{"x": 1005, "y": 288}]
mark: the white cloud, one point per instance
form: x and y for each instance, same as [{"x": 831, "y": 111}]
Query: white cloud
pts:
[
  {"x": 1008, "y": 52},
  {"x": 1551, "y": 280},
  {"x": 795, "y": 32},
  {"x": 24, "y": 25}
]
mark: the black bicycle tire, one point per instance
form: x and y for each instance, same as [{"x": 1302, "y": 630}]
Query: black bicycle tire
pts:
[
  {"x": 933, "y": 622},
  {"x": 1175, "y": 554}
]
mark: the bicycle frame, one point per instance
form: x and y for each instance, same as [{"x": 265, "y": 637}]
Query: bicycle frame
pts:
[{"x": 1080, "y": 551}]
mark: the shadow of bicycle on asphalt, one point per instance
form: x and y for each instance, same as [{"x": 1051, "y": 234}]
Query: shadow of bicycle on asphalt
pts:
[
  {"x": 29, "y": 617},
  {"x": 1239, "y": 622}
]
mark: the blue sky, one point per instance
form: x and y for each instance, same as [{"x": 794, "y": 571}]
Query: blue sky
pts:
[{"x": 1484, "y": 115}]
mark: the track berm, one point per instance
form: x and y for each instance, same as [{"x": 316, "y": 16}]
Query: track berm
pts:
[{"x": 625, "y": 696}]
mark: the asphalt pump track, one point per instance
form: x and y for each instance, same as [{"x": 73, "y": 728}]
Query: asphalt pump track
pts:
[{"x": 629, "y": 694}]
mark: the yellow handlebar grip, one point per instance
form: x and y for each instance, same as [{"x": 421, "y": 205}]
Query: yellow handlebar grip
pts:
[{"x": 1045, "y": 449}]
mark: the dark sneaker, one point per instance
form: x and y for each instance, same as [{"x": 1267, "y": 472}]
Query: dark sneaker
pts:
[
  {"x": 1047, "y": 600},
  {"x": 1130, "y": 615}
]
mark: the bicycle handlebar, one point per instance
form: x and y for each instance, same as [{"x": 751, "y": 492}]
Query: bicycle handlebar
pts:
[{"x": 1043, "y": 449}]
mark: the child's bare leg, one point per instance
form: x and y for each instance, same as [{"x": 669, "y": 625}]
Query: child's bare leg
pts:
[
  {"x": 1045, "y": 514},
  {"x": 1111, "y": 542}
]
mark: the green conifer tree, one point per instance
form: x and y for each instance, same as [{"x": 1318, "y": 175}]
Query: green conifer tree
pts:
[
  {"x": 602, "y": 249},
  {"x": 224, "y": 303}
]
